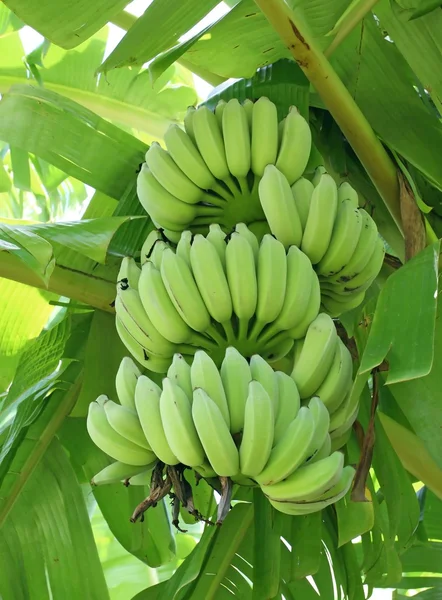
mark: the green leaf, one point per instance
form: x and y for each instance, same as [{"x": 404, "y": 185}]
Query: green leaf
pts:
[
  {"x": 46, "y": 545},
  {"x": 403, "y": 332},
  {"x": 158, "y": 29},
  {"x": 71, "y": 138},
  {"x": 20, "y": 168},
  {"x": 306, "y": 542},
  {"x": 354, "y": 519},
  {"x": 65, "y": 23}
]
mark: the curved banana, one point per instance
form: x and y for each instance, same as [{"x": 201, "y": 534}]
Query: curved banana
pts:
[
  {"x": 219, "y": 110},
  {"x": 264, "y": 135},
  {"x": 210, "y": 278},
  {"x": 205, "y": 375},
  {"x": 243, "y": 230},
  {"x": 235, "y": 377},
  {"x": 186, "y": 156},
  {"x": 162, "y": 206},
  {"x": 129, "y": 273},
  {"x": 147, "y": 403},
  {"x": 362, "y": 280},
  {"x": 257, "y": 437},
  {"x": 288, "y": 405},
  {"x": 321, "y": 417},
  {"x": 217, "y": 238},
  {"x": 248, "y": 108},
  {"x": 176, "y": 416},
  {"x": 115, "y": 473},
  {"x": 125, "y": 382},
  {"x": 337, "y": 383},
  {"x": 316, "y": 356},
  {"x": 241, "y": 277},
  {"x": 159, "y": 306},
  {"x": 183, "y": 291},
  {"x": 302, "y": 191},
  {"x": 291, "y": 450},
  {"x": 169, "y": 175},
  {"x": 321, "y": 219},
  {"x": 214, "y": 434},
  {"x": 344, "y": 239},
  {"x": 236, "y": 136},
  {"x": 130, "y": 311},
  {"x": 143, "y": 478},
  {"x": 188, "y": 122},
  {"x": 209, "y": 141},
  {"x": 183, "y": 247},
  {"x": 111, "y": 442},
  {"x": 314, "y": 305},
  {"x": 322, "y": 452},
  {"x": 156, "y": 256},
  {"x": 153, "y": 362},
  {"x": 273, "y": 352},
  {"x": 347, "y": 192},
  {"x": 279, "y": 207},
  {"x": 295, "y": 147},
  {"x": 309, "y": 482},
  {"x": 125, "y": 422},
  {"x": 272, "y": 281},
  {"x": 146, "y": 249},
  {"x": 263, "y": 373},
  {"x": 179, "y": 373},
  {"x": 335, "y": 307}
]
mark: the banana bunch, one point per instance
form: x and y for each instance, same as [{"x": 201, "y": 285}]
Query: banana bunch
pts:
[
  {"x": 212, "y": 292},
  {"x": 243, "y": 421},
  {"x": 324, "y": 221},
  {"x": 210, "y": 171}
]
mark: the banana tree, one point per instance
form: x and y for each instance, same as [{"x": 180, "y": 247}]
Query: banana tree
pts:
[{"x": 75, "y": 124}]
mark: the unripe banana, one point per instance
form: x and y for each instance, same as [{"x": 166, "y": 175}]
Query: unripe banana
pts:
[
  {"x": 263, "y": 373},
  {"x": 159, "y": 307},
  {"x": 291, "y": 450},
  {"x": 183, "y": 291},
  {"x": 214, "y": 434},
  {"x": 347, "y": 192},
  {"x": 321, "y": 219},
  {"x": 179, "y": 373},
  {"x": 211, "y": 279},
  {"x": 335, "y": 307},
  {"x": 248, "y": 108},
  {"x": 176, "y": 416},
  {"x": 111, "y": 442},
  {"x": 302, "y": 191},
  {"x": 361, "y": 281},
  {"x": 344, "y": 239},
  {"x": 183, "y": 246},
  {"x": 235, "y": 377},
  {"x": 314, "y": 303},
  {"x": 217, "y": 238},
  {"x": 295, "y": 147},
  {"x": 147, "y": 402},
  {"x": 146, "y": 249},
  {"x": 115, "y": 473},
  {"x": 219, "y": 111},
  {"x": 188, "y": 123},
  {"x": 288, "y": 406},
  {"x": 338, "y": 380},
  {"x": 153, "y": 362},
  {"x": 264, "y": 135},
  {"x": 125, "y": 422},
  {"x": 187, "y": 157},
  {"x": 243, "y": 230},
  {"x": 125, "y": 382},
  {"x": 156, "y": 256},
  {"x": 162, "y": 206},
  {"x": 322, "y": 452},
  {"x": 170, "y": 176},
  {"x": 321, "y": 418},
  {"x": 210, "y": 143},
  {"x": 143, "y": 478},
  {"x": 272, "y": 280},
  {"x": 129, "y": 272},
  {"x": 236, "y": 136},
  {"x": 205, "y": 375},
  {"x": 257, "y": 437},
  {"x": 309, "y": 482},
  {"x": 316, "y": 356},
  {"x": 241, "y": 277},
  {"x": 279, "y": 207}
]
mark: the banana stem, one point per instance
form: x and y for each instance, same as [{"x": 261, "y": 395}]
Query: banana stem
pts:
[
  {"x": 214, "y": 200},
  {"x": 243, "y": 328},
  {"x": 244, "y": 187},
  {"x": 212, "y": 331},
  {"x": 230, "y": 334},
  {"x": 199, "y": 339},
  {"x": 257, "y": 327},
  {"x": 230, "y": 183},
  {"x": 218, "y": 189},
  {"x": 82, "y": 287},
  {"x": 338, "y": 101}
]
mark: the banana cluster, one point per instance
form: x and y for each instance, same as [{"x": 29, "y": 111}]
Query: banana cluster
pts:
[
  {"x": 215, "y": 291},
  {"x": 243, "y": 421},
  {"x": 324, "y": 221},
  {"x": 211, "y": 170}
]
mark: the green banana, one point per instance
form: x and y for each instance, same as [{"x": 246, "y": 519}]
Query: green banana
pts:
[
  {"x": 143, "y": 478},
  {"x": 179, "y": 373},
  {"x": 248, "y": 108},
  {"x": 347, "y": 192},
  {"x": 115, "y": 473},
  {"x": 217, "y": 238},
  {"x": 147, "y": 403},
  {"x": 214, "y": 434},
  {"x": 219, "y": 110},
  {"x": 314, "y": 304},
  {"x": 210, "y": 142},
  {"x": 302, "y": 191},
  {"x": 125, "y": 382},
  {"x": 188, "y": 123},
  {"x": 205, "y": 375},
  {"x": 243, "y": 230},
  {"x": 125, "y": 422},
  {"x": 321, "y": 418},
  {"x": 257, "y": 437},
  {"x": 337, "y": 383},
  {"x": 295, "y": 147},
  {"x": 153, "y": 362},
  {"x": 263, "y": 373},
  {"x": 235, "y": 377},
  {"x": 146, "y": 249},
  {"x": 156, "y": 256},
  {"x": 183, "y": 246},
  {"x": 288, "y": 406},
  {"x": 264, "y": 135},
  {"x": 129, "y": 273},
  {"x": 236, "y": 136}
]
